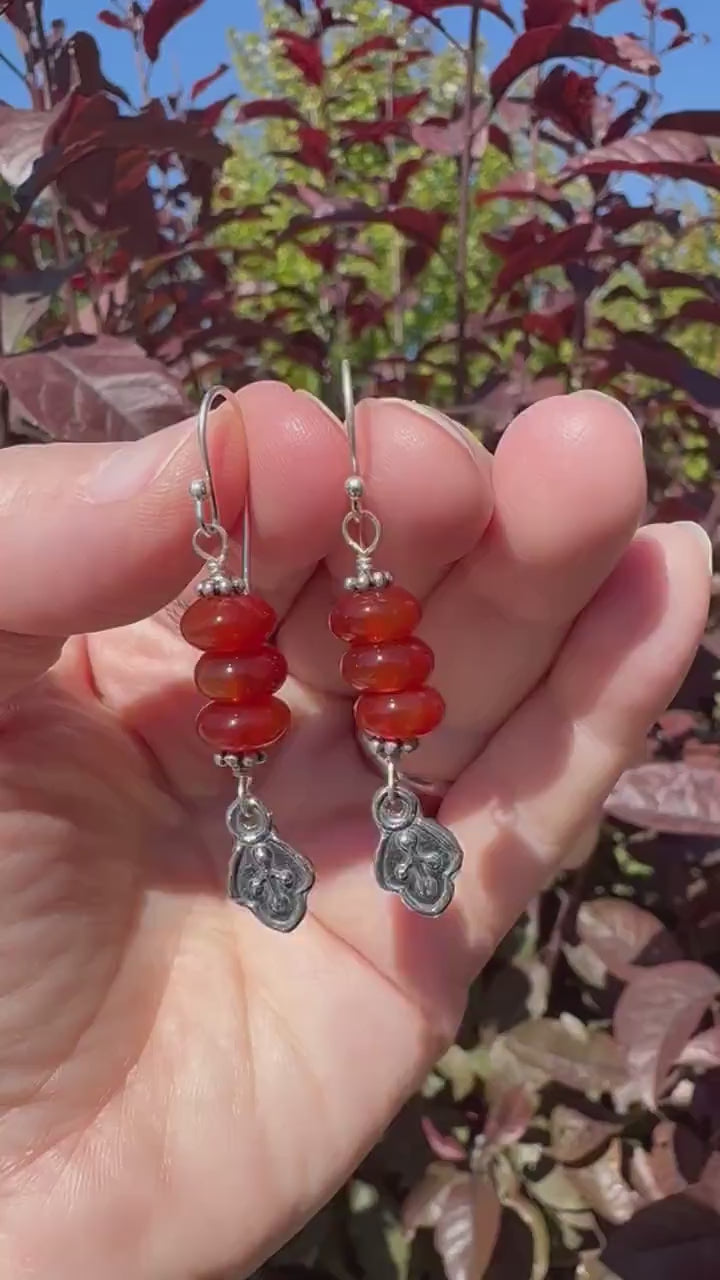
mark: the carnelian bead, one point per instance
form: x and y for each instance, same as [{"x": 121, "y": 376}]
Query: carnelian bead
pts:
[
  {"x": 240, "y": 677},
  {"x": 226, "y": 726},
  {"x": 230, "y": 624},
  {"x": 399, "y": 716},
  {"x": 390, "y": 667},
  {"x": 388, "y": 613}
]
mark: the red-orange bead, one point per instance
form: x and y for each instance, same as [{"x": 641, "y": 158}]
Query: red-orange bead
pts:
[
  {"x": 229, "y": 624},
  {"x": 226, "y": 726},
  {"x": 388, "y": 613},
  {"x": 240, "y": 677},
  {"x": 389, "y": 667},
  {"x": 399, "y": 716}
]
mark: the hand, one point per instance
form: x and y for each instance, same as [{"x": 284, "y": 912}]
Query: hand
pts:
[{"x": 180, "y": 1088}]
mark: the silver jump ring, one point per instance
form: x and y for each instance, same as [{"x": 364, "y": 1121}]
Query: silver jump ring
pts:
[
  {"x": 395, "y": 809},
  {"x": 248, "y": 819},
  {"x": 356, "y": 541},
  {"x": 211, "y": 534}
]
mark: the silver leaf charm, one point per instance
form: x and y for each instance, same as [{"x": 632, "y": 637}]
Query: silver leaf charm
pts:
[
  {"x": 417, "y": 858},
  {"x": 266, "y": 875}
]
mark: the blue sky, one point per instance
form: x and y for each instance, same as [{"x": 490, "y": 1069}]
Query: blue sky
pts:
[{"x": 199, "y": 43}]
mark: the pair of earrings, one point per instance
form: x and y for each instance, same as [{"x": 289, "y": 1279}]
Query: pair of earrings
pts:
[{"x": 241, "y": 671}]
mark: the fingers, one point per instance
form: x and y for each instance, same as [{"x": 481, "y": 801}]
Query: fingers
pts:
[
  {"x": 569, "y": 488},
  {"x": 95, "y": 536},
  {"x": 429, "y": 483},
  {"x": 520, "y": 807}
]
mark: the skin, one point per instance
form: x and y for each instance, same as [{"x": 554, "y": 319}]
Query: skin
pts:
[{"x": 180, "y": 1088}]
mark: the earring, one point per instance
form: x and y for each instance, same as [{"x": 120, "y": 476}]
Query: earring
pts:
[
  {"x": 241, "y": 672},
  {"x": 388, "y": 665}
]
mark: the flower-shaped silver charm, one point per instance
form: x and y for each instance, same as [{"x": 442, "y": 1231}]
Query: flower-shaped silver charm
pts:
[
  {"x": 266, "y": 875},
  {"x": 417, "y": 858}
]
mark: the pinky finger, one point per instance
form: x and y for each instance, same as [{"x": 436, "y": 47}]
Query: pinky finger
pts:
[{"x": 520, "y": 807}]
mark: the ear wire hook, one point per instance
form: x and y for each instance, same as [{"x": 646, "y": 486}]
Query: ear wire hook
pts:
[
  {"x": 361, "y": 529},
  {"x": 349, "y": 411},
  {"x": 207, "y": 511}
]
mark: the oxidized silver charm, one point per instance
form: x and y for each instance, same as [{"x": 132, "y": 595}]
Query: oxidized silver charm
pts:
[
  {"x": 417, "y": 858},
  {"x": 266, "y": 874}
]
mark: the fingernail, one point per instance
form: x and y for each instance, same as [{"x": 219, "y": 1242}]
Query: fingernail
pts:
[
  {"x": 328, "y": 412},
  {"x": 701, "y": 536},
  {"x": 453, "y": 428},
  {"x": 610, "y": 401},
  {"x": 129, "y": 468}
]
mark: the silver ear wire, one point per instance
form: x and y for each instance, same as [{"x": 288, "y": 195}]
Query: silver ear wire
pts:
[
  {"x": 361, "y": 529},
  {"x": 211, "y": 541}
]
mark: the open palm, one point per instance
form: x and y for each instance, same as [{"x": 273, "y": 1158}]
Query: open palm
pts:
[{"x": 180, "y": 1088}]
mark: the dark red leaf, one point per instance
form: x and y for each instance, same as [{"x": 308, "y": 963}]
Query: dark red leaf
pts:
[
  {"x": 556, "y": 249},
  {"x": 399, "y": 184},
  {"x": 268, "y": 109},
  {"x": 668, "y": 796},
  {"x": 304, "y": 53},
  {"x": 569, "y": 100},
  {"x": 446, "y": 137},
  {"x": 375, "y": 44},
  {"x": 661, "y": 153},
  {"x": 415, "y": 259},
  {"x": 547, "y": 13},
  {"x": 536, "y": 46},
  {"x": 314, "y": 149},
  {"x": 468, "y": 1227},
  {"x": 679, "y": 1236},
  {"x": 627, "y": 120},
  {"x": 656, "y": 1016},
  {"x": 91, "y": 131},
  {"x": 324, "y": 252},
  {"x": 509, "y": 1116},
  {"x": 160, "y": 18},
  {"x": 622, "y": 935},
  {"x": 83, "y": 388},
  {"x": 201, "y": 85},
  {"x": 706, "y": 123},
  {"x": 547, "y": 1050},
  {"x": 431, "y": 8},
  {"x": 114, "y": 20},
  {"x": 676, "y": 16},
  {"x": 425, "y": 225}
]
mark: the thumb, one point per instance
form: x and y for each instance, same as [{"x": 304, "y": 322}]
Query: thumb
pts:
[{"x": 94, "y": 536}]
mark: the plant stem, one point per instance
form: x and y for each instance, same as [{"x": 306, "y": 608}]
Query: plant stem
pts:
[
  {"x": 463, "y": 228},
  {"x": 141, "y": 62},
  {"x": 11, "y": 67},
  {"x": 61, "y": 248}
]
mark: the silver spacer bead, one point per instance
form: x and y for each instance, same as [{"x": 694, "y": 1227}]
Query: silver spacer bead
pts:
[
  {"x": 354, "y": 487},
  {"x": 198, "y": 489},
  {"x": 240, "y": 763}
]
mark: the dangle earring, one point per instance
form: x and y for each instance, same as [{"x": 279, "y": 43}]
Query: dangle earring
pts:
[
  {"x": 388, "y": 665},
  {"x": 241, "y": 672}
]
